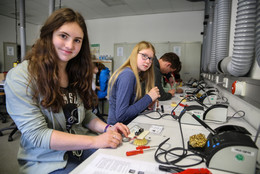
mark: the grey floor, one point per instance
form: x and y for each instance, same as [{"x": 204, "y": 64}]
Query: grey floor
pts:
[{"x": 8, "y": 150}]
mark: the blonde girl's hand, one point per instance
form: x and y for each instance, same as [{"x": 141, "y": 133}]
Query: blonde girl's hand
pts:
[
  {"x": 151, "y": 105},
  {"x": 154, "y": 93}
]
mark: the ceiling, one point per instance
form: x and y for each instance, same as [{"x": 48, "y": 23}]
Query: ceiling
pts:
[{"x": 38, "y": 10}]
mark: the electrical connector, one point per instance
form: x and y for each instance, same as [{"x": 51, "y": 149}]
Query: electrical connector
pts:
[
  {"x": 225, "y": 84},
  {"x": 239, "y": 88},
  {"x": 217, "y": 79}
]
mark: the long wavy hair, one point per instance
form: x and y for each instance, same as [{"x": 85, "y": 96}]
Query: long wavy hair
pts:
[
  {"x": 147, "y": 76},
  {"x": 43, "y": 64}
]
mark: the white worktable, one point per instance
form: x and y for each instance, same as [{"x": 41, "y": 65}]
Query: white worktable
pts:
[{"x": 170, "y": 129}]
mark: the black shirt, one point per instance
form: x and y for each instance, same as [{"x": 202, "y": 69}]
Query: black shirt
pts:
[{"x": 70, "y": 108}]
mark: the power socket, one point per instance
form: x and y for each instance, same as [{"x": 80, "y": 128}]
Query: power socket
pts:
[
  {"x": 225, "y": 82},
  {"x": 217, "y": 79}
]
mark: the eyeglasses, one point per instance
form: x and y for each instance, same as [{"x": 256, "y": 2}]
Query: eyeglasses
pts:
[{"x": 145, "y": 57}]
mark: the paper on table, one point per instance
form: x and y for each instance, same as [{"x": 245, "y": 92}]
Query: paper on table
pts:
[{"x": 107, "y": 164}]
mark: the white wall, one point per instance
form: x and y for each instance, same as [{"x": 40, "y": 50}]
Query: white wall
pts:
[
  {"x": 172, "y": 27},
  {"x": 7, "y": 34}
]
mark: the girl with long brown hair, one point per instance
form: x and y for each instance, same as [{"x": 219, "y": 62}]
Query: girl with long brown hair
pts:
[{"x": 49, "y": 96}]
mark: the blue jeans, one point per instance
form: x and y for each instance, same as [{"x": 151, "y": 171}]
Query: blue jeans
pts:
[{"x": 74, "y": 161}]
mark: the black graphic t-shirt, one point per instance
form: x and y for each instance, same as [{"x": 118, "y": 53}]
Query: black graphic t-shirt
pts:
[{"x": 70, "y": 108}]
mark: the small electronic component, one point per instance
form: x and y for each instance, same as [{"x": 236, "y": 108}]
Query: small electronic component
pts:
[{"x": 139, "y": 131}]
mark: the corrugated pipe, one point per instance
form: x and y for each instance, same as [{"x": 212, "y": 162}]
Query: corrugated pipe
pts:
[
  {"x": 22, "y": 29},
  {"x": 221, "y": 30},
  {"x": 209, "y": 5},
  {"x": 51, "y": 6},
  {"x": 244, "y": 40},
  {"x": 204, "y": 42},
  {"x": 212, "y": 62},
  {"x": 257, "y": 51}
]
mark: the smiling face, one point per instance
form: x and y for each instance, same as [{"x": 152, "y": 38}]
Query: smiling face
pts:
[
  {"x": 67, "y": 41},
  {"x": 144, "y": 60}
]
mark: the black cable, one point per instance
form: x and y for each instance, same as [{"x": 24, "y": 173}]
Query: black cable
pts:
[
  {"x": 156, "y": 118},
  {"x": 202, "y": 104},
  {"x": 163, "y": 115},
  {"x": 233, "y": 116},
  {"x": 172, "y": 112},
  {"x": 180, "y": 157},
  {"x": 225, "y": 99}
]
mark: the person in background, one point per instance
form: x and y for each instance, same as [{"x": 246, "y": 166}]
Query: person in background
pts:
[
  {"x": 172, "y": 81},
  {"x": 177, "y": 77},
  {"x": 102, "y": 79},
  {"x": 168, "y": 63},
  {"x": 49, "y": 96},
  {"x": 95, "y": 71},
  {"x": 126, "y": 100}
]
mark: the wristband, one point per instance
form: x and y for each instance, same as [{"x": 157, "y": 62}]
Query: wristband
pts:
[{"x": 108, "y": 125}]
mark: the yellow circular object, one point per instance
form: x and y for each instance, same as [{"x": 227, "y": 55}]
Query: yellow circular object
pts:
[{"x": 141, "y": 142}]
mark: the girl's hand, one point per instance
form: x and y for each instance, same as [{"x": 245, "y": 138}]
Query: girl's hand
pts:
[
  {"x": 154, "y": 93},
  {"x": 112, "y": 137},
  {"x": 153, "y": 105},
  {"x": 172, "y": 92},
  {"x": 109, "y": 139},
  {"x": 120, "y": 128}
]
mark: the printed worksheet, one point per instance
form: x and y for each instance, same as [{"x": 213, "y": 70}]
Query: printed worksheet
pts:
[{"x": 107, "y": 164}]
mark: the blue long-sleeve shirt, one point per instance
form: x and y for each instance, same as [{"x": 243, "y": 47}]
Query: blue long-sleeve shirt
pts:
[
  {"x": 103, "y": 83},
  {"x": 122, "y": 105}
]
